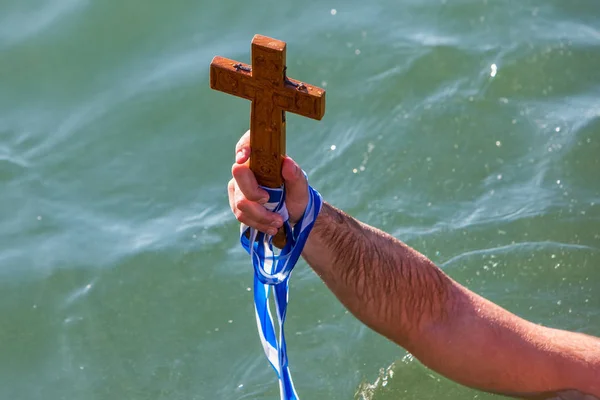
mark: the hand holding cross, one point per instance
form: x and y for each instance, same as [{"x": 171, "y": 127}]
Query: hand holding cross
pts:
[{"x": 272, "y": 93}]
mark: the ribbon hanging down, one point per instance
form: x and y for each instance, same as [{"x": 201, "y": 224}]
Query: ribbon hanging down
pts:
[{"x": 274, "y": 270}]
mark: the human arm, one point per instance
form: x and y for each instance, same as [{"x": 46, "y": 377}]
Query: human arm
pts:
[{"x": 402, "y": 295}]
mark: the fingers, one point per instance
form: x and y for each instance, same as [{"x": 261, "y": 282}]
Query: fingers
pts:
[
  {"x": 252, "y": 213},
  {"x": 242, "y": 148},
  {"x": 296, "y": 187},
  {"x": 246, "y": 198},
  {"x": 291, "y": 172},
  {"x": 246, "y": 181}
]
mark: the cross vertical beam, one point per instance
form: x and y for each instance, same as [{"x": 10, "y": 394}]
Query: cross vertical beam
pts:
[{"x": 267, "y": 120}]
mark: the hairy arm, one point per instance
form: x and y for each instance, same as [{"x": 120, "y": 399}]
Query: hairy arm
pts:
[{"x": 402, "y": 295}]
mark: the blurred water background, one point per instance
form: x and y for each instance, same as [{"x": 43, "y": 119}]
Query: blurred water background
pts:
[{"x": 469, "y": 129}]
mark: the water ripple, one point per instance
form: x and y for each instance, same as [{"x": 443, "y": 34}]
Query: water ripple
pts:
[
  {"x": 19, "y": 25},
  {"x": 519, "y": 247},
  {"x": 10, "y": 161}
]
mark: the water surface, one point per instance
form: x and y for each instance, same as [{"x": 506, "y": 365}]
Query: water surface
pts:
[{"x": 468, "y": 129}]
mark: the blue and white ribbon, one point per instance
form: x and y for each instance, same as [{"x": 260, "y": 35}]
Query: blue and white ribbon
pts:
[{"x": 274, "y": 270}]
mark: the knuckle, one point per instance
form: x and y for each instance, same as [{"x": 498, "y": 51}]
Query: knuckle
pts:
[
  {"x": 237, "y": 171},
  {"x": 243, "y": 204},
  {"x": 239, "y": 215},
  {"x": 266, "y": 219},
  {"x": 263, "y": 228}
]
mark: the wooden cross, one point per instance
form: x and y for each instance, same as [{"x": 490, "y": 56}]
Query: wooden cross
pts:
[{"x": 272, "y": 93}]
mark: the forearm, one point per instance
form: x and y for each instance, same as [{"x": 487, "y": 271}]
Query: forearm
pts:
[
  {"x": 386, "y": 284},
  {"x": 401, "y": 294}
]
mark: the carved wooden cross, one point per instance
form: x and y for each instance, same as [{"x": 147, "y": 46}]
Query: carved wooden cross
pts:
[{"x": 272, "y": 94}]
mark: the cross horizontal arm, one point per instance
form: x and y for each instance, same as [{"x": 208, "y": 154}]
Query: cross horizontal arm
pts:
[
  {"x": 302, "y": 99},
  {"x": 232, "y": 77}
]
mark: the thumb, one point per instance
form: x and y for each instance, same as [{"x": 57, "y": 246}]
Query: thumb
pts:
[{"x": 296, "y": 188}]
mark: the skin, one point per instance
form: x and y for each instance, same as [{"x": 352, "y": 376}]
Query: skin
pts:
[{"x": 405, "y": 297}]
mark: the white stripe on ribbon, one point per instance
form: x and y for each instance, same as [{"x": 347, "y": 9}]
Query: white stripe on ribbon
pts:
[{"x": 272, "y": 272}]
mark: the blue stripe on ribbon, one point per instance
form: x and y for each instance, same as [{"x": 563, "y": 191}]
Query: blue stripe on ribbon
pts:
[{"x": 274, "y": 270}]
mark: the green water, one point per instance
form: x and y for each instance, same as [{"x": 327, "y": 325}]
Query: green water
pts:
[{"x": 121, "y": 276}]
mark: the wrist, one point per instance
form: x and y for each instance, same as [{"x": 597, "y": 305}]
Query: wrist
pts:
[{"x": 318, "y": 251}]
